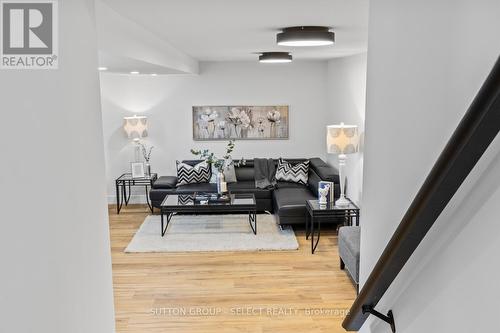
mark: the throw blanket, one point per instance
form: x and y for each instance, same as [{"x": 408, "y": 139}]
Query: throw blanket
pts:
[{"x": 265, "y": 169}]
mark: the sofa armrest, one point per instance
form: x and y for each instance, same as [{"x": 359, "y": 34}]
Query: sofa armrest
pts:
[
  {"x": 328, "y": 173},
  {"x": 165, "y": 182},
  {"x": 320, "y": 170},
  {"x": 324, "y": 170}
]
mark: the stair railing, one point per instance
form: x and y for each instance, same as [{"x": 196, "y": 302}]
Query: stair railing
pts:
[{"x": 475, "y": 132}]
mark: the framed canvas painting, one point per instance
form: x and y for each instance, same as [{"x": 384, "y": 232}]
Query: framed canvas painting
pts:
[{"x": 240, "y": 122}]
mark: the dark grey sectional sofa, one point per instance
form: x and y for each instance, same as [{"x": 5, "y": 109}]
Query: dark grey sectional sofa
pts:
[{"x": 286, "y": 201}]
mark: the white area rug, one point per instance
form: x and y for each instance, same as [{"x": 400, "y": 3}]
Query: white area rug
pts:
[{"x": 188, "y": 233}]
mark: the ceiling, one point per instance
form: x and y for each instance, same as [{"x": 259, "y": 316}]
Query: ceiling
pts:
[
  {"x": 233, "y": 30},
  {"x": 120, "y": 64}
]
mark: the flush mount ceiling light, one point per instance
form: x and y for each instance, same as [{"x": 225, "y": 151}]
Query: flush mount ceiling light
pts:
[
  {"x": 134, "y": 72},
  {"x": 306, "y": 36},
  {"x": 102, "y": 69},
  {"x": 275, "y": 57}
]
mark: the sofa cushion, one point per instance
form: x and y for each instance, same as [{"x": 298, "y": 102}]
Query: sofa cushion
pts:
[
  {"x": 288, "y": 185},
  {"x": 249, "y": 187},
  {"x": 158, "y": 194},
  {"x": 245, "y": 173},
  {"x": 198, "y": 187},
  {"x": 297, "y": 173},
  {"x": 188, "y": 174},
  {"x": 165, "y": 182},
  {"x": 324, "y": 170},
  {"x": 291, "y": 201}
]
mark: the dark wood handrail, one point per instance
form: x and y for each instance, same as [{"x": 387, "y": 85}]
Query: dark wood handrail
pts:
[{"x": 475, "y": 132}]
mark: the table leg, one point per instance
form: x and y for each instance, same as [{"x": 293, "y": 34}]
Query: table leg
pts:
[
  {"x": 117, "y": 198},
  {"x": 169, "y": 217},
  {"x": 161, "y": 214},
  {"x": 127, "y": 197},
  {"x": 312, "y": 234},
  {"x": 307, "y": 225},
  {"x": 252, "y": 217},
  {"x": 314, "y": 245},
  {"x": 124, "y": 194},
  {"x": 147, "y": 199}
]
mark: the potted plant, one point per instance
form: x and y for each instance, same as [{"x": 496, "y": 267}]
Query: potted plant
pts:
[
  {"x": 146, "y": 153},
  {"x": 219, "y": 163}
]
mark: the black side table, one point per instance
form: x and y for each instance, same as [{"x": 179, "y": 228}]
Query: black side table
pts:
[
  {"x": 331, "y": 213},
  {"x": 125, "y": 181}
]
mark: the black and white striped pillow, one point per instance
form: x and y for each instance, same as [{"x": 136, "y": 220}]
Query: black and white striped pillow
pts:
[
  {"x": 297, "y": 173},
  {"x": 187, "y": 174}
]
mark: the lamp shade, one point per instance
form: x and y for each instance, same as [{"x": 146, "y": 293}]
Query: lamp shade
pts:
[
  {"x": 136, "y": 127},
  {"x": 342, "y": 139}
]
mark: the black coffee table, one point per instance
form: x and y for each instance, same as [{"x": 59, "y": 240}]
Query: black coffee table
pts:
[{"x": 186, "y": 203}]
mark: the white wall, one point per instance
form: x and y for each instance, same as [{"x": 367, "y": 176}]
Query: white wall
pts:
[
  {"x": 346, "y": 99},
  {"x": 54, "y": 239},
  {"x": 119, "y": 36},
  {"x": 426, "y": 61},
  {"x": 167, "y": 101}
]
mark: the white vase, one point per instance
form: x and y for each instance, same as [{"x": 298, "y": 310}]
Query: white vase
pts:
[
  {"x": 220, "y": 180},
  {"x": 213, "y": 177}
]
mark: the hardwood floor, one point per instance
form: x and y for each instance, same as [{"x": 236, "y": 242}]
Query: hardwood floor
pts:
[{"x": 258, "y": 292}]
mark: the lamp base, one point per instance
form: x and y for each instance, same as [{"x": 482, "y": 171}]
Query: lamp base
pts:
[{"x": 342, "y": 202}]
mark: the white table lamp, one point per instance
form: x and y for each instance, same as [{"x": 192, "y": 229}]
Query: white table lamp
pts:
[
  {"x": 136, "y": 128},
  {"x": 342, "y": 140}
]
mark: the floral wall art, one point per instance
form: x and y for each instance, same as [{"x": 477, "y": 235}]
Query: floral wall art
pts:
[{"x": 240, "y": 122}]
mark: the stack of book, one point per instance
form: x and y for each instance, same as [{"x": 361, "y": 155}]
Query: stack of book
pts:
[{"x": 211, "y": 197}]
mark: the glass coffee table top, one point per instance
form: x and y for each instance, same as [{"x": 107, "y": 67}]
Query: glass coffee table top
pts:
[{"x": 183, "y": 200}]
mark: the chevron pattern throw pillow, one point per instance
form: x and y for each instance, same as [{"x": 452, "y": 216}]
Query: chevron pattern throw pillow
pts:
[
  {"x": 297, "y": 173},
  {"x": 187, "y": 174}
]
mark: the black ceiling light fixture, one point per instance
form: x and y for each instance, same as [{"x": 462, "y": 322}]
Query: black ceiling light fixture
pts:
[
  {"x": 306, "y": 36},
  {"x": 275, "y": 57}
]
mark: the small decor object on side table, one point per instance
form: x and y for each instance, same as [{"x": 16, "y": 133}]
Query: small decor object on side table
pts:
[
  {"x": 220, "y": 164},
  {"x": 330, "y": 195},
  {"x": 146, "y": 153},
  {"x": 137, "y": 169},
  {"x": 323, "y": 192}
]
